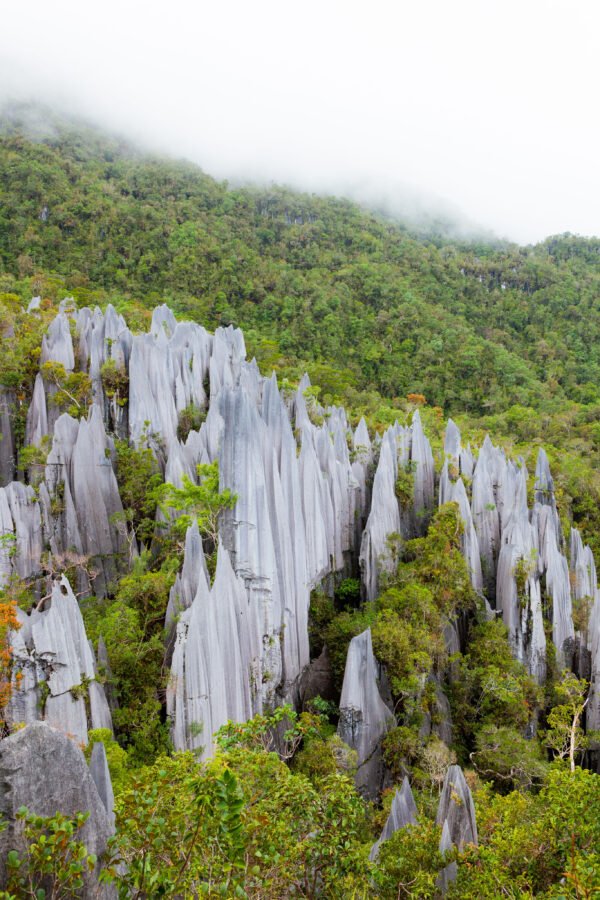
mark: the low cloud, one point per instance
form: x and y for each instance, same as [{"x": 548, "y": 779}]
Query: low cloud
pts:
[{"x": 483, "y": 114}]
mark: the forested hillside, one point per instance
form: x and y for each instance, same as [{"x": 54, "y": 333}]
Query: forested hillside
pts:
[
  {"x": 314, "y": 651},
  {"x": 507, "y": 338},
  {"x": 311, "y": 280}
]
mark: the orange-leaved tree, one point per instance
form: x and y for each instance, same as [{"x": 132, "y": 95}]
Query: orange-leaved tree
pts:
[{"x": 8, "y": 623}]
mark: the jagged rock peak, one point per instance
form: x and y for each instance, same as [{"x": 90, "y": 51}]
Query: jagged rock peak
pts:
[
  {"x": 456, "y": 808},
  {"x": 101, "y": 777},
  {"x": 449, "y": 872},
  {"x": 45, "y": 771},
  {"x": 51, "y": 649},
  {"x": 57, "y": 343},
  {"x": 403, "y": 812},
  {"x": 364, "y": 717}
]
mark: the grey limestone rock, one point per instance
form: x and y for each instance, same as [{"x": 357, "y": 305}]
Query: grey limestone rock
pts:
[
  {"x": 456, "y": 808},
  {"x": 45, "y": 771},
  {"x": 52, "y": 648},
  {"x": 423, "y": 472},
  {"x": 469, "y": 539},
  {"x": 214, "y": 661},
  {"x": 384, "y": 518},
  {"x": 7, "y": 437},
  {"x": 27, "y": 527},
  {"x": 36, "y": 426},
  {"x": 83, "y": 497},
  {"x": 486, "y": 519},
  {"x": 364, "y": 717},
  {"x": 449, "y": 872},
  {"x": 101, "y": 777},
  {"x": 402, "y": 813},
  {"x": 57, "y": 343},
  {"x": 185, "y": 588}
]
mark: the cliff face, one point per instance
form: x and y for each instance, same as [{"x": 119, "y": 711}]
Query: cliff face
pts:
[{"x": 306, "y": 507}]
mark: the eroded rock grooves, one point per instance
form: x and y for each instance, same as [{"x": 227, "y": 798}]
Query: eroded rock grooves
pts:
[{"x": 315, "y": 500}]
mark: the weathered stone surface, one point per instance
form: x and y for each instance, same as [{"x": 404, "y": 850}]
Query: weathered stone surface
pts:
[
  {"x": 456, "y": 808},
  {"x": 214, "y": 661},
  {"x": 185, "y": 588},
  {"x": 101, "y": 777},
  {"x": 424, "y": 474},
  {"x": 52, "y": 648},
  {"x": 521, "y": 602},
  {"x": 84, "y": 500},
  {"x": 45, "y": 771},
  {"x": 36, "y": 426},
  {"x": 402, "y": 813},
  {"x": 20, "y": 531},
  {"x": 7, "y": 438},
  {"x": 57, "y": 343},
  {"x": 364, "y": 717},
  {"x": 384, "y": 518},
  {"x": 305, "y": 509},
  {"x": 449, "y": 872},
  {"x": 486, "y": 519},
  {"x": 469, "y": 540},
  {"x": 102, "y": 337}
]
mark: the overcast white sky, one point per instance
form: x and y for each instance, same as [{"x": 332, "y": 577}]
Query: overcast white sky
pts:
[{"x": 487, "y": 106}]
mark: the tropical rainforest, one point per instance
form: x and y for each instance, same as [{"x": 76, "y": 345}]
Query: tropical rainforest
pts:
[{"x": 504, "y": 339}]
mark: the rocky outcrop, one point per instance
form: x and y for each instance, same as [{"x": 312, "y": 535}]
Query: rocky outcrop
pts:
[
  {"x": 305, "y": 510},
  {"x": 456, "y": 809},
  {"x": 20, "y": 532},
  {"x": 402, "y": 813},
  {"x": 402, "y": 499},
  {"x": 45, "y": 771},
  {"x": 364, "y": 717},
  {"x": 81, "y": 499},
  {"x": 7, "y": 437},
  {"x": 456, "y": 816},
  {"x": 449, "y": 872},
  {"x": 216, "y": 661},
  {"x": 54, "y": 669},
  {"x": 101, "y": 778}
]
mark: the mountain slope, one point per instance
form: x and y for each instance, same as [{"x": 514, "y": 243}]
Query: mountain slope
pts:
[{"x": 311, "y": 280}]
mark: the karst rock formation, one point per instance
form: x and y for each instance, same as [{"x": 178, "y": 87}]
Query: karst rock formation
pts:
[{"x": 315, "y": 501}]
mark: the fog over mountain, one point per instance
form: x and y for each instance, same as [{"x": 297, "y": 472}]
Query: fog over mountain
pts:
[{"x": 479, "y": 113}]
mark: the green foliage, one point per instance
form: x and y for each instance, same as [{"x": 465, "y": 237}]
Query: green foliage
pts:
[
  {"x": 183, "y": 831},
  {"x": 320, "y": 758},
  {"x": 321, "y": 612},
  {"x": 405, "y": 484},
  {"x": 506, "y": 758},
  {"x": 281, "y": 730},
  {"x": 409, "y": 863},
  {"x": 73, "y": 392},
  {"x": 132, "y": 627},
  {"x": 565, "y": 736},
  {"x": 138, "y": 478},
  {"x": 347, "y": 593},
  {"x": 115, "y": 381},
  {"x": 190, "y": 419},
  {"x": 55, "y": 863},
  {"x": 115, "y": 756},
  {"x": 203, "y": 502},
  {"x": 33, "y": 457},
  {"x": 380, "y": 318},
  {"x": 493, "y": 694},
  {"x": 242, "y": 825},
  {"x": 529, "y": 842}
]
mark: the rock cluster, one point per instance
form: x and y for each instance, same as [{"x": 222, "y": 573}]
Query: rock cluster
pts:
[
  {"x": 364, "y": 717},
  {"x": 54, "y": 671},
  {"x": 44, "y": 771},
  {"x": 313, "y": 498}
]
